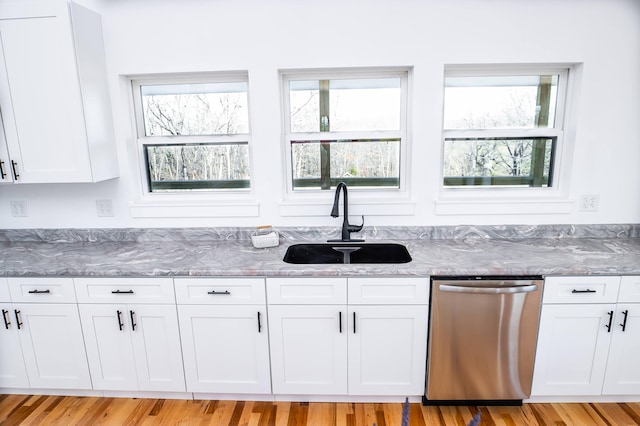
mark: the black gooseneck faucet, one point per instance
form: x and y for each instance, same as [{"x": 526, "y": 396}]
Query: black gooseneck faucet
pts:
[{"x": 347, "y": 228}]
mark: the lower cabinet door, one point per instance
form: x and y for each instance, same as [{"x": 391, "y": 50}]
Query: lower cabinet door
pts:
[
  {"x": 571, "y": 355},
  {"x": 12, "y": 370},
  {"x": 623, "y": 365},
  {"x": 156, "y": 347},
  {"x": 53, "y": 346},
  {"x": 225, "y": 348},
  {"x": 309, "y": 349},
  {"x": 109, "y": 349},
  {"x": 387, "y": 350},
  {"x": 133, "y": 347}
]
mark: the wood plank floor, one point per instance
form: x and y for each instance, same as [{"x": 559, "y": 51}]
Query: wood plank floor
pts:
[{"x": 58, "y": 410}]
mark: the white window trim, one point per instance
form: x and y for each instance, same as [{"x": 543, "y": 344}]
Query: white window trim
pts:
[
  {"x": 362, "y": 201},
  {"x": 196, "y": 204},
  {"x": 517, "y": 201}
]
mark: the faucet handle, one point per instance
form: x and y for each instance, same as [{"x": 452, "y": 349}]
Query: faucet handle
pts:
[{"x": 356, "y": 228}]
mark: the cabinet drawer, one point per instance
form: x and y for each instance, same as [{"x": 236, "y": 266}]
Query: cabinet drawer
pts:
[
  {"x": 590, "y": 289},
  {"x": 220, "y": 291},
  {"x": 629, "y": 290},
  {"x": 4, "y": 290},
  {"x": 125, "y": 290},
  {"x": 317, "y": 291},
  {"x": 389, "y": 291},
  {"x": 42, "y": 290}
]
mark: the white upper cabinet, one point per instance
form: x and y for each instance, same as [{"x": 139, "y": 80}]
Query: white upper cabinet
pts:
[{"x": 54, "y": 98}]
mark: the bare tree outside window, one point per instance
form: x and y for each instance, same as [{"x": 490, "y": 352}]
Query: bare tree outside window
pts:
[
  {"x": 492, "y": 130},
  {"x": 203, "y": 131},
  {"x": 345, "y": 130}
]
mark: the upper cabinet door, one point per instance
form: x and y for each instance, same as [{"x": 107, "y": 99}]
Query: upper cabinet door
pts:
[
  {"x": 6, "y": 176},
  {"x": 54, "y": 100}
]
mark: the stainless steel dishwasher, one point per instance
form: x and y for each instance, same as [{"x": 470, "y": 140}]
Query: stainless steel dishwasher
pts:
[{"x": 482, "y": 339}]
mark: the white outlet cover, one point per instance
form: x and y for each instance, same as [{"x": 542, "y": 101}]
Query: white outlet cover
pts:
[
  {"x": 18, "y": 208},
  {"x": 104, "y": 208},
  {"x": 589, "y": 203}
]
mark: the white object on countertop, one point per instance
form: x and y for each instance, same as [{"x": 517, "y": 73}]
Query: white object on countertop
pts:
[{"x": 265, "y": 237}]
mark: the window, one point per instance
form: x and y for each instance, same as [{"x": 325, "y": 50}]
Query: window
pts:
[
  {"x": 345, "y": 126},
  {"x": 502, "y": 129},
  {"x": 193, "y": 133}
]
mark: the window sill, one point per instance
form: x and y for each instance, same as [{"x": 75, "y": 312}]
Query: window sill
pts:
[
  {"x": 194, "y": 209},
  {"x": 503, "y": 207},
  {"x": 356, "y": 208}
]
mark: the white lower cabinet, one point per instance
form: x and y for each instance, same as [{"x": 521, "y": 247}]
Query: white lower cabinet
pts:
[
  {"x": 336, "y": 348},
  {"x": 573, "y": 343},
  {"x": 13, "y": 373},
  {"x": 133, "y": 347},
  {"x": 131, "y": 333},
  {"x": 315, "y": 336},
  {"x": 387, "y": 350},
  {"x": 309, "y": 349},
  {"x": 623, "y": 366},
  {"x": 588, "y": 344},
  {"x": 42, "y": 336},
  {"x": 52, "y": 345},
  {"x": 226, "y": 348},
  {"x": 224, "y": 331},
  {"x": 41, "y": 346}
]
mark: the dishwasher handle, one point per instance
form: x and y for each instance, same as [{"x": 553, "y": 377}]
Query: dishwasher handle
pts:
[{"x": 488, "y": 290}]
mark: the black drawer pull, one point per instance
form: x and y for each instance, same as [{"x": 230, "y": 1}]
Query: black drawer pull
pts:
[
  {"x": 259, "y": 323},
  {"x": 574, "y": 291},
  {"x": 340, "y": 321},
  {"x": 218, "y": 292},
  {"x": 2, "y": 173},
  {"x": 122, "y": 292},
  {"x": 47, "y": 291}
]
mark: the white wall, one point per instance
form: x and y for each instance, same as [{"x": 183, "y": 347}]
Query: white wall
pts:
[{"x": 156, "y": 36}]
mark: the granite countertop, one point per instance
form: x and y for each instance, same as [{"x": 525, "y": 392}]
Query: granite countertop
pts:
[{"x": 525, "y": 250}]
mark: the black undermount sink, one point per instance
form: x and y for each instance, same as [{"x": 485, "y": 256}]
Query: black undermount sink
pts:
[{"x": 346, "y": 252}]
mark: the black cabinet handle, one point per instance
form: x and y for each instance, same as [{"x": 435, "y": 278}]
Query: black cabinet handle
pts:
[
  {"x": 133, "y": 320},
  {"x": 13, "y": 167},
  {"x": 624, "y": 321},
  {"x": 574, "y": 291},
  {"x": 47, "y": 291},
  {"x": 218, "y": 292},
  {"x": 6, "y": 320},
  {"x": 259, "y": 323},
  {"x": 120, "y": 324},
  {"x": 340, "y": 321},
  {"x": 18, "y": 322},
  {"x": 610, "y": 313},
  {"x": 2, "y": 173},
  {"x": 122, "y": 292},
  {"x": 354, "y": 323}
]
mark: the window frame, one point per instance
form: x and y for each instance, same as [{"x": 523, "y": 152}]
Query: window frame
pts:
[
  {"x": 142, "y": 140},
  {"x": 556, "y": 133},
  {"x": 402, "y": 134}
]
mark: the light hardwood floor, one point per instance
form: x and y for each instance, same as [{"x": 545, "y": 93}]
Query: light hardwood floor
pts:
[{"x": 57, "y": 410}]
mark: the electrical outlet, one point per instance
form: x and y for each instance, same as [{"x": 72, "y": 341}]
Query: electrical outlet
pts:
[
  {"x": 589, "y": 203},
  {"x": 18, "y": 208},
  {"x": 104, "y": 208}
]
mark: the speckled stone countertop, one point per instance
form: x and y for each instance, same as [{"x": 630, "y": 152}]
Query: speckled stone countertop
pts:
[{"x": 456, "y": 250}]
